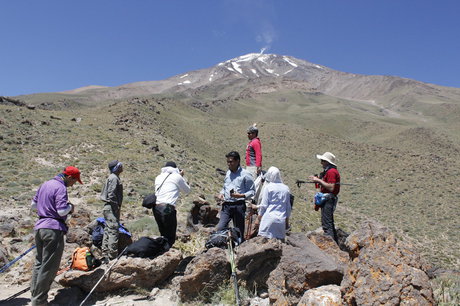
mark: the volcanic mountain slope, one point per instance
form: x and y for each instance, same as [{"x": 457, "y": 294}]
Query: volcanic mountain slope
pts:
[
  {"x": 261, "y": 73},
  {"x": 396, "y": 139}
]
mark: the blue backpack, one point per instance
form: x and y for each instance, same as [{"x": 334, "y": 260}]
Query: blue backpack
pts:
[{"x": 98, "y": 232}]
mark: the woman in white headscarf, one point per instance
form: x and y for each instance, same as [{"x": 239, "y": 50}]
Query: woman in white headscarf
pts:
[{"x": 275, "y": 206}]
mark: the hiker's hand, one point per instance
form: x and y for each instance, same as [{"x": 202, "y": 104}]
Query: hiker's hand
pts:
[
  {"x": 220, "y": 197},
  {"x": 181, "y": 172},
  {"x": 314, "y": 178}
]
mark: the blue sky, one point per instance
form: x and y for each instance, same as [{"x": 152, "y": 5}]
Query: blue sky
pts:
[{"x": 56, "y": 45}]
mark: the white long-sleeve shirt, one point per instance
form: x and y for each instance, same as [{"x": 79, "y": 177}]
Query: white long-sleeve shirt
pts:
[{"x": 172, "y": 186}]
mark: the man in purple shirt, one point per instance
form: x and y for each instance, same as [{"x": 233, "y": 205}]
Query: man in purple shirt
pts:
[{"x": 51, "y": 203}]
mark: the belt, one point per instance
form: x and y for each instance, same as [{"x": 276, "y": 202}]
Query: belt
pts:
[{"x": 240, "y": 202}]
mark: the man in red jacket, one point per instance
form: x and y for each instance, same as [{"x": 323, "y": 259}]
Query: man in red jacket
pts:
[
  {"x": 254, "y": 152},
  {"x": 329, "y": 183}
]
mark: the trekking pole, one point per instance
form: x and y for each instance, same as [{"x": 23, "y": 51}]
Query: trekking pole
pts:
[
  {"x": 233, "y": 268},
  {"x": 299, "y": 182},
  {"x": 5, "y": 267},
  {"x": 107, "y": 271}
]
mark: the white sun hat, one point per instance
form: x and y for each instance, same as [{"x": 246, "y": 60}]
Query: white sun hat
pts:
[{"x": 328, "y": 156}]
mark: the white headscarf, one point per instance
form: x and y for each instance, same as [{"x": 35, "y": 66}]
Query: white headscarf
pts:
[{"x": 273, "y": 175}]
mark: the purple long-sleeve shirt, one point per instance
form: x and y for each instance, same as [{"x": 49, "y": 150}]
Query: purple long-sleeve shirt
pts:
[{"x": 50, "y": 198}]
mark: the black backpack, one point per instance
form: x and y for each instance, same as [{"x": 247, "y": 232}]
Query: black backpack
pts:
[
  {"x": 219, "y": 239},
  {"x": 147, "y": 247}
]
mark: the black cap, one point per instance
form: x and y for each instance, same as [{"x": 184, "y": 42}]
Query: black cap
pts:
[
  {"x": 112, "y": 164},
  {"x": 171, "y": 164}
]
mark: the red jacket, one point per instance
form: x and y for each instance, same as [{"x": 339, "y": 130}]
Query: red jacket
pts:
[{"x": 254, "y": 153}]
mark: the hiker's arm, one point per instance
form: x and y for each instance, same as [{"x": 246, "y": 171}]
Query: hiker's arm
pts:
[{"x": 328, "y": 186}]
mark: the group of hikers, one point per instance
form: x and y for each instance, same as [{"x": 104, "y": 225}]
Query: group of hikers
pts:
[{"x": 249, "y": 188}]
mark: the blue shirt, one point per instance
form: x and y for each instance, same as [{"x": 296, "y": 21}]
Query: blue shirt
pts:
[{"x": 241, "y": 182}]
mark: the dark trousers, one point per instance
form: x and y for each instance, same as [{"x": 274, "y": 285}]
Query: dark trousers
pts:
[
  {"x": 232, "y": 211},
  {"x": 327, "y": 218},
  {"x": 50, "y": 246},
  {"x": 165, "y": 215}
]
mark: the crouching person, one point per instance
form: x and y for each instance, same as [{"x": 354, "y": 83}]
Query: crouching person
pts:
[
  {"x": 52, "y": 205},
  {"x": 112, "y": 196}
]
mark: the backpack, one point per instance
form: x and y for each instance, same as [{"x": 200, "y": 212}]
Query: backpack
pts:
[
  {"x": 147, "y": 247},
  {"x": 97, "y": 234},
  {"x": 83, "y": 259},
  {"x": 219, "y": 239}
]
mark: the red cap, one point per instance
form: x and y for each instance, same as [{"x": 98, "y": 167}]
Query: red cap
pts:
[{"x": 73, "y": 172}]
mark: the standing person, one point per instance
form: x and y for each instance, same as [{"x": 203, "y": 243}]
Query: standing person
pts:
[
  {"x": 254, "y": 152},
  {"x": 275, "y": 206},
  {"x": 52, "y": 205},
  {"x": 168, "y": 185},
  {"x": 238, "y": 186},
  {"x": 329, "y": 181},
  {"x": 112, "y": 196}
]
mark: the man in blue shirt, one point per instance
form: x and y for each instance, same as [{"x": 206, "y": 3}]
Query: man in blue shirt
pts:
[{"x": 238, "y": 186}]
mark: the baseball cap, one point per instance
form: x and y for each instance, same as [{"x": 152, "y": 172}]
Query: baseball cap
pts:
[{"x": 73, "y": 172}]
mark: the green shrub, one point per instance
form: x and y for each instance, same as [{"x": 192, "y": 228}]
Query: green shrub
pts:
[
  {"x": 146, "y": 226},
  {"x": 446, "y": 290}
]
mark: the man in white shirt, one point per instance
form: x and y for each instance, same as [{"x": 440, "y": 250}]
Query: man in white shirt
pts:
[{"x": 168, "y": 185}]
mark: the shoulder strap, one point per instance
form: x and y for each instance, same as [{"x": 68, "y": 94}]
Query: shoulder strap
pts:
[{"x": 163, "y": 182}]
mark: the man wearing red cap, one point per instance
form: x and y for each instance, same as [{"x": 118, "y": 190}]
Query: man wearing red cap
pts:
[{"x": 51, "y": 203}]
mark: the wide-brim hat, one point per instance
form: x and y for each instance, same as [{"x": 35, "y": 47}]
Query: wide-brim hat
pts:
[{"x": 328, "y": 156}]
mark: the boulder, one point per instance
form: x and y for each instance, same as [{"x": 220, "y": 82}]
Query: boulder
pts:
[
  {"x": 8, "y": 229},
  {"x": 256, "y": 259},
  {"x": 384, "y": 270},
  {"x": 328, "y": 245},
  {"x": 329, "y": 295},
  {"x": 204, "y": 274},
  {"x": 303, "y": 266},
  {"x": 79, "y": 236},
  {"x": 128, "y": 272}
]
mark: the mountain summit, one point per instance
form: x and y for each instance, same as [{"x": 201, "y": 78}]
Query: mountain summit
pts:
[{"x": 258, "y": 73}]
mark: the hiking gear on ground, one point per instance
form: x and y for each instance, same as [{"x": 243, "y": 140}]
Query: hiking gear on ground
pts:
[
  {"x": 233, "y": 265},
  {"x": 219, "y": 239},
  {"x": 98, "y": 232},
  {"x": 151, "y": 200},
  {"x": 107, "y": 271},
  {"x": 15, "y": 295},
  {"x": 83, "y": 259},
  {"x": 147, "y": 247},
  {"x": 5, "y": 267}
]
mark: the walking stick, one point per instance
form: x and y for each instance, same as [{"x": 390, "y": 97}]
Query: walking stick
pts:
[
  {"x": 107, "y": 271},
  {"x": 233, "y": 268},
  {"x": 5, "y": 267}
]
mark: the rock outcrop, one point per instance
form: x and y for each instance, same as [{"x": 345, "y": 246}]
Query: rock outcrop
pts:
[
  {"x": 127, "y": 273},
  {"x": 256, "y": 259},
  {"x": 384, "y": 270},
  {"x": 204, "y": 274},
  {"x": 303, "y": 266},
  {"x": 329, "y": 295}
]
